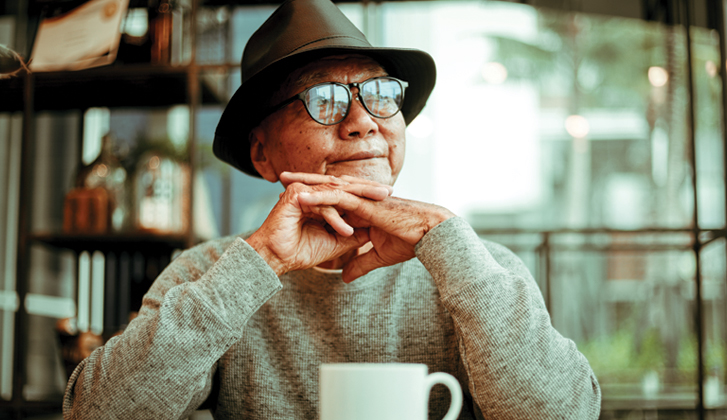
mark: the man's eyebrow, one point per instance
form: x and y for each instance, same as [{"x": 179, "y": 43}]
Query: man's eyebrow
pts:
[
  {"x": 312, "y": 78},
  {"x": 319, "y": 76}
]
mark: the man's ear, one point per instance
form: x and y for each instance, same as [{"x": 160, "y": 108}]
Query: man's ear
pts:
[{"x": 259, "y": 157}]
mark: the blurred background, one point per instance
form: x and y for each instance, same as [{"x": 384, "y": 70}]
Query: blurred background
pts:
[{"x": 587, "y": 136}]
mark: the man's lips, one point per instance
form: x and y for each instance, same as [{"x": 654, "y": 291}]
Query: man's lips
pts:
[{"x": 361, "y": 156}]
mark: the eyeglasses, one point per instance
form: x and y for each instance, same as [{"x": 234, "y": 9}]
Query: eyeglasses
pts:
[{"x": 328, "y": 103}]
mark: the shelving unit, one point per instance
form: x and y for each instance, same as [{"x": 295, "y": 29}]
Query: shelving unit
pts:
[
  {"x": 114, "y": 86},
  {"x": 142, "y": 242},
  {"x": 133, "y": 259}
]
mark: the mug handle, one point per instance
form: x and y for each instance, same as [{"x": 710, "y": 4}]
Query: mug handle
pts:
[{"x": 450, "y": 382}]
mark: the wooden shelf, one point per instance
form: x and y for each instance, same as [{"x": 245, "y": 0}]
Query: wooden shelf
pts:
[
  {"x": 142, "y": 85},
  {"x": 113, "y": 242}
]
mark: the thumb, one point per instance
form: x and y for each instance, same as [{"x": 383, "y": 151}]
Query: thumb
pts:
[
  {"x": 359, "y": 238},
  {"x": 361, "y": 265}
]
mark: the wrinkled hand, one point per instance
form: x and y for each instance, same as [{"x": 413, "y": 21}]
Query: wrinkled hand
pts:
[
  {"x": 395, "y": 225},
  {"x": 296, "y": 236}
]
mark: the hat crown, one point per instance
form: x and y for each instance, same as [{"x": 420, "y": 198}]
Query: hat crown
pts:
[
  {"x": 298, "y": 25},
  {"x": 298, "y": 32}
]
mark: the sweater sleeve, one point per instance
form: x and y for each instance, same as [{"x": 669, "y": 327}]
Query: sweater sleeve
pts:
[
  {"x": 518, "y": 365},
  {"x": 162, "y": 366}
]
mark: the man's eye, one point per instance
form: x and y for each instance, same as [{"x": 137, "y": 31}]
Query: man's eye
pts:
[
  {"x": 320, "y": 102},
  {"x": 381, "y": 104}
]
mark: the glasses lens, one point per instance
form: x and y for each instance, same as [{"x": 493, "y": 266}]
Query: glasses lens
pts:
[
  {"x": 382, "y": 96},
  {"x": 327, "y": 103}
]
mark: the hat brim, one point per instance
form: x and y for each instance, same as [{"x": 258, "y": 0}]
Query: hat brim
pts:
[{"x": 245, "y": 109}]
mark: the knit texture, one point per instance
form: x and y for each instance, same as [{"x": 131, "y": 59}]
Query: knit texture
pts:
[{"x": 219, "y": 324}]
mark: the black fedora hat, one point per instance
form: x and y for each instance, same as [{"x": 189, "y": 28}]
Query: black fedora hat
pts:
[{"x": 297, "y": 33}]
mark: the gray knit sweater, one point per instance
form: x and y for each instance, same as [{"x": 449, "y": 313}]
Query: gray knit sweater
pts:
[{"x": 219, "y": 323}]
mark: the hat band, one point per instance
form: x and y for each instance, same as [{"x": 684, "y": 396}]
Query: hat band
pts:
[
  {"x": 359, "y": 43},
  {"x": 313, "y": 44}
]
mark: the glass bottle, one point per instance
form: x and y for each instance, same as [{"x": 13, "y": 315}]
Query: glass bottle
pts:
[
  {"x": 161, "y": 186},
  {"x": 107, "y": 172},
  {"x": 160, "y": 31}
]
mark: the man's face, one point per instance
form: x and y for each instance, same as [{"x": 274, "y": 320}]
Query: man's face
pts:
[{"x": 361, "y": 145}]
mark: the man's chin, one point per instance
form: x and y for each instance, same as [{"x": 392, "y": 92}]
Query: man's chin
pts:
[{"x": 374, "y": 173}]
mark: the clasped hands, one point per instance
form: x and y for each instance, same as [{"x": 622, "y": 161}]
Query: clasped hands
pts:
[{"x": 319, "y": 218}]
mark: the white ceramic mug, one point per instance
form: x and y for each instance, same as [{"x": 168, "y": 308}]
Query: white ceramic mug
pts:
[{"x": 382, "y": 391}]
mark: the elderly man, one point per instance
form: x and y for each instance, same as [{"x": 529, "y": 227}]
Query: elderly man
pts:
[{"x": 341, "y": 270}]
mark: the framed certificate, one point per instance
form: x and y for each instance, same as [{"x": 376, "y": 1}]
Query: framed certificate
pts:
[{"x": 87, "y": 36}]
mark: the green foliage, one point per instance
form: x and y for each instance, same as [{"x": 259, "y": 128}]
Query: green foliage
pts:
[
  {"x": 714, "y": 357},
  {"x": 620, "y": 358},
  {"x": 602, "y": 60},
  {"x": 652, "y": 354},
  {"x": 612, "y": 357},
  {"x": 687, "y": 358}
]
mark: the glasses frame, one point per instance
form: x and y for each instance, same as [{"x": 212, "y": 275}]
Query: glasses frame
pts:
[{"x": 348, "y": 87}]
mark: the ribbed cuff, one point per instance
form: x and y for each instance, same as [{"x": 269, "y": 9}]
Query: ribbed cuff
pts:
[{"x": 455, "y": 256}]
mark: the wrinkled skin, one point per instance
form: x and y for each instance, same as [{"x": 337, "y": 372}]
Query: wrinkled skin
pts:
[{"x": 338, "y": 183}]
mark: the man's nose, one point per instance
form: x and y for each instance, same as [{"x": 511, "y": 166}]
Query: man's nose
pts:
[{"x": 358, "y": 123}]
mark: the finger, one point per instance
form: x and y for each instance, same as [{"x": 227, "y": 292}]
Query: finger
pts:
[
  {"x": 316, "y": 179},
  {"x": 373, "y": 192},
  {"x": 346, "y": 244},
  {"x": 309, "y": 179},
  {"x": 359, "y": 238},
  {"x": 361, "y": 265},
  {"x": 355, "y": 221},
  {"x": 331, "y": 216},
  {"x": 354, "y": 180},
  {"x": 363, "y": 188},
  {"x": 335, "y": 198}
]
